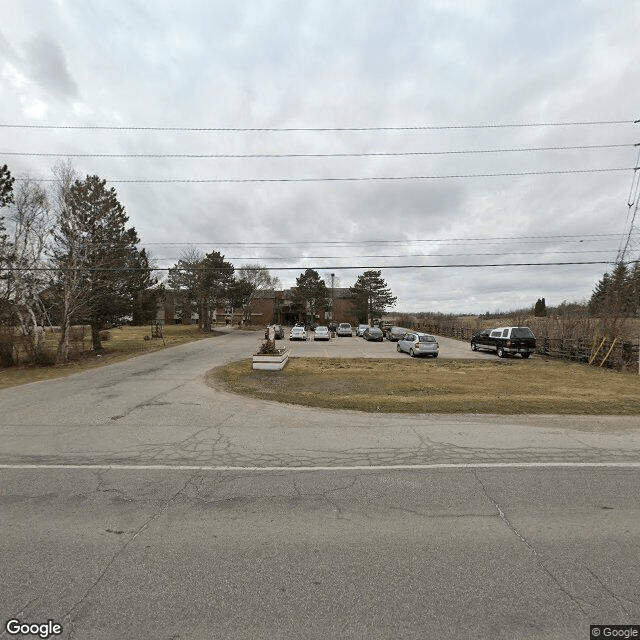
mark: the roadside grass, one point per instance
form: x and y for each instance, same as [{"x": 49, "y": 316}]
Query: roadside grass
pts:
[
  {"x": 510, "y": 386},
  {"x": 123, "y": 343}
]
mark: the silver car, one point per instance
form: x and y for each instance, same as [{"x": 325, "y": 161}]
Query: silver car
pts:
[
  {"x": 321, "y": 333},
  {"x": 419, "y": 344},
  {"x": 361, "y": 329},
  {"x": 344, "y": 329},
  {"x": 298, "y": 333}
]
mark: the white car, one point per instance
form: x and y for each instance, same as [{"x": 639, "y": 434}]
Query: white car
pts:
[
  {"x": 344, "y": 329},
  {"x": 321, "y": 333},
  {"x": 361, "y": 329},
  {"x": 298, "y": 333}
]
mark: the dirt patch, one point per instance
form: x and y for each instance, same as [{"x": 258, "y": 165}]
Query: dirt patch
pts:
[{"x": 510, "y": 386}]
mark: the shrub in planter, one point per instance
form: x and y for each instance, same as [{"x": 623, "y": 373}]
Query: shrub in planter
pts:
[{"x": 268, "y": 347}]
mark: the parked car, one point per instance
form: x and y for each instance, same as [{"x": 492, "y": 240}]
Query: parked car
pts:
[
  {"x": 505, "y": 341},
  {"x": 279, "y": 331},
  {"x": 386, "y": 327},
  {"x": 344, "y": 329},
  {"x": 321, "y": 333},
  {"x": 361, "y": 329},
  {"x": 373, "y": 334},
  {"x": 298, "y": 333},
  {"x": 419, "y": 344},
  {"x": 395, "y": 333}
]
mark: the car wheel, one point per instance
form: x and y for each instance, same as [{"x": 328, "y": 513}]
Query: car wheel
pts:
[
  {"x": 500, "y": 352},
  {"x": 435, "y": 355},
  {"x": 398, "y": 349},
  {"x": 474, "y": 347},
  {"x": 526, "y": 355},
  {"x": 411, "y": 353}
]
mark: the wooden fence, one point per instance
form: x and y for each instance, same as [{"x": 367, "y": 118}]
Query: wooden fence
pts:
[{"x": 612, "y": 353}]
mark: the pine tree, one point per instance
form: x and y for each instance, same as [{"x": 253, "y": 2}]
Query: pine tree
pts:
[
  {"x": 540, "y": 309},
  {"x": 371, "y": 295},
  {"x": 202, "y": 283},
  {"x": 310, "y": 293}
]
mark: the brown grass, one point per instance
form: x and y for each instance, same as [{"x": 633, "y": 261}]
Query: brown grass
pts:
[
  {"x": 458, "y": 386},
  {"x": 124, "y": 343}
]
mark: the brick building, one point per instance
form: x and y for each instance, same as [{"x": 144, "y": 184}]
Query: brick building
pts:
[{"x": 268, "y": 307}]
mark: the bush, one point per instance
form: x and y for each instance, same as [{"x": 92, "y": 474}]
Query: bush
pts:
[
  {"x": 8, "y": 350},
  {"x": 44, "y": 356}
]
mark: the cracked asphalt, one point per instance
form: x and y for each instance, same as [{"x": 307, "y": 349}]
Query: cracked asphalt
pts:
[{"x": 135, "y": 502}]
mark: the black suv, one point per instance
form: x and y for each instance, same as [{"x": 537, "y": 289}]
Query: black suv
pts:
[{"x": 505, "y": 341}]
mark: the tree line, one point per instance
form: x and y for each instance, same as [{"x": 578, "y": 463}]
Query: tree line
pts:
[{"x": 618, "y": 292}]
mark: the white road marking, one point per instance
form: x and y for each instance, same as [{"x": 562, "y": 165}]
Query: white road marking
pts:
[{"x": 386, "y": 467}]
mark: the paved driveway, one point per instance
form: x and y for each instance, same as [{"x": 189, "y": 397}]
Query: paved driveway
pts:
[{"x": 355, "y": 347}]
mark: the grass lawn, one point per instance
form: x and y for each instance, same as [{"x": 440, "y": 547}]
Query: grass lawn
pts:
[
  {"x": 510, "y": 386},
  {"x": 124, "y": 342}
]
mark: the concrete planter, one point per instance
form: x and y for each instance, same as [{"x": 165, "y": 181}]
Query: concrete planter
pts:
[{"x": 271, "y": 361}]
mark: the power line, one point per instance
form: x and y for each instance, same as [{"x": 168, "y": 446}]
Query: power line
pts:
[
  {"x": 319, "y": 268},
  {"x": 408, "y": 255},
  {"x": 318, "y": 129},
  {"x": 374, "y": 154},
  {"x": 346, "y": 179},
  {"x": 400, "y": 241}
]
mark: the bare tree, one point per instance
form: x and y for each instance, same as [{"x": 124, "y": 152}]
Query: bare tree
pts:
[
  {"x": 29, "y": 226},
  {"x": 251, "y": 280},
  {"x": 70, "y": 257}
]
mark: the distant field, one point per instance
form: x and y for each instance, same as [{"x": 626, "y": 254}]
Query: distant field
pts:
[
  {"x": 510, "y": 386},
  {"x": 124, "y": 342}
]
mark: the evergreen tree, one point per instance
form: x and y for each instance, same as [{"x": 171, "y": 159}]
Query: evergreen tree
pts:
[
  {"x": 6, "y": 186},
  {"x": 371, "y": 295},
  {"x": 600, "y": 295},
  {"x": 540, "y": 309},
  {"x": 310, "y": 293},
  {"x": 202, "y": 283},
  {"x": 146, "y": 293}
]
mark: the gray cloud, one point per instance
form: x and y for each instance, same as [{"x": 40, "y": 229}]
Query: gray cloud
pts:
[{"x": 46, "y": 64}]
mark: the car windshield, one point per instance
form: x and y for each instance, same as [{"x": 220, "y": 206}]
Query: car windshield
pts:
[
  {"x": 344, "y": 325},
  {"x": 427, "y": 339},
  {"x": 321, "y": 329},
  {"x": 522, "y": 332}
]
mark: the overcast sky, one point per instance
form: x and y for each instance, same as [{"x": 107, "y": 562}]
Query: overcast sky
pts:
[{"x": 345, "y": 64}]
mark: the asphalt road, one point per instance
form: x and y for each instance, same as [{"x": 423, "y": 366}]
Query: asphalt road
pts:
[{"x": 136, "y": 502}]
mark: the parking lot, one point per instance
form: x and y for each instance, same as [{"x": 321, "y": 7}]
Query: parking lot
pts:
[{"x": 356, "y": 347}]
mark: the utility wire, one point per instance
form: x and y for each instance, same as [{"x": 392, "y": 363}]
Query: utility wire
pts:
[
  {"x": 351, "y": 243},
  {"x": 318, "y": 268},
  {"x": 407, "y": 255},
  {"x": 346, "y": 179},
  {"x": 312, "y": 155},
  {"x": 319, "y": 129}
]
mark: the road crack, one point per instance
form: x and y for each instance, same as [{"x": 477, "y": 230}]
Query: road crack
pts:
[
  {"x": 576, "y": 601},
  {"x": 120, "y": 551}
]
